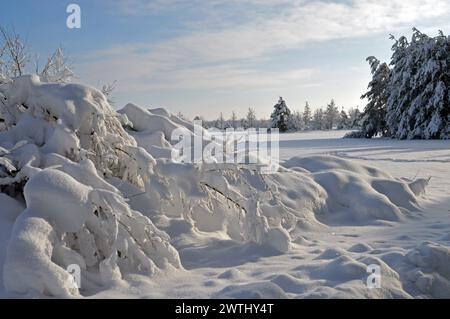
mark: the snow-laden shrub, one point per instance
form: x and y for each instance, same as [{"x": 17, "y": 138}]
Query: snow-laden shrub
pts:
[
  {"x": 76, "y": 117},
  {"x": 59, "y": 143},
  {"x": 251, "y": 207},
  {"x": 66, "y": 223}
]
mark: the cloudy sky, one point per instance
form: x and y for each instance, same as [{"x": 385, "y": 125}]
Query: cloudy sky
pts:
[{"x": 210, "y": 56}]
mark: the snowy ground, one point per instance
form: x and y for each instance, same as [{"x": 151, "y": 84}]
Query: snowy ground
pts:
[
  {"x": 83, "y": 185},
  {"x": 324, "y": 264}
]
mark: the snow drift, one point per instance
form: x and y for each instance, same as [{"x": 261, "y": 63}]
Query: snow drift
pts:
[{"x": 99, "y": 189}]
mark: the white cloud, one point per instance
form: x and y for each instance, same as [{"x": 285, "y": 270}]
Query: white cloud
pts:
[
  {"x": 215, "y": 57},
  {"x": 141, "y": 7}
]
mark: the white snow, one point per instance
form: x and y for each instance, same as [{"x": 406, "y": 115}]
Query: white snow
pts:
[{"x": 83, "y": 184}]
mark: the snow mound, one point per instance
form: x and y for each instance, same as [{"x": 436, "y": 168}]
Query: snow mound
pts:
[
  {"x": 316, "y": 164},
  {"x": 10, "y": 209},
  {"x": 337, "y": 274},
  {"x": 94, "y": 229},
  {"x": 360, "y": 194},
  {"x": 145, "y": 121},
  {"x": 28, "y": 268},
  {"x": 432, "y": 275},
  {"x": 261, "y": 290}
]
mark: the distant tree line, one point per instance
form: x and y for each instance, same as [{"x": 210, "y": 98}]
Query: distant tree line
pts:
[
  {"x": 285, "y": 120},
  {"x": 321, "y": 119},
  {"x": 410, "y": 97},
  {"x": 328, "y": 118}
]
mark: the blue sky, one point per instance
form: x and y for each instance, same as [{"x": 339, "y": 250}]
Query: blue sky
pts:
[{"x": 210, "y": 56}]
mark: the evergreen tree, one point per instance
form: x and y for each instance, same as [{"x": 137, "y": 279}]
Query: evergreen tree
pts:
[
  {"x": 374, "y": 117},
  {"x": 244, "y": 123},
  {"x": 297, "y": 121},
  {"x": 307, "y": 116},
  {"x": 331, "y": 115},
  {"x": 220, "y": 123},
  {"x": 233, "y": 120},
  {"x": 354, "y": 118},
  {"x": 318, "y": 120},
  {"x": 281, "y": 116},
  {"x": 418, "y": 103},
  {"x": 251, "y": 118},
  {"x": 343, "y": 121}
]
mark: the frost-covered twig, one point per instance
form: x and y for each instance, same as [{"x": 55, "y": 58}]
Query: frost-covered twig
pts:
[{"x": 225, "y": 196}]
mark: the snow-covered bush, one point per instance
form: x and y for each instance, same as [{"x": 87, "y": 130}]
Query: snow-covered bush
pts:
[
  {"x": 76, "y": 119},
  {"x": 60, "y": 141},
  {"x": 66, "y": 223},
  {"x": 331, "y": 115}
]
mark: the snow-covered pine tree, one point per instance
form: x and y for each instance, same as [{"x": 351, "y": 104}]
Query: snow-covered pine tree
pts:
[
  {"x": 374, "y": 117},
  {"x": 418, "y": 104},
  {"x": 244, "y": 123},
  {"x": 307, "y": 116},
  {"x": 251, "y": 118},
  {"x": 297, "y": 121},
  {"x": 281, "y": 116},
  {"x": 432, "y": 107},
  {"x": 220, "y": 123},
  {"x": 318, "y": 120},
  {"x": 354, "y": 118},
  {"x": 233, "y": 120},
  {"x": 343, "y": 121},
  {"x": 331, "y": 115},
  {"x": 400, "y": 86}
]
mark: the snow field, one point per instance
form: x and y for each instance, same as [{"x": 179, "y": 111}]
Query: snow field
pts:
[{"x": 83, "y": 184}]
